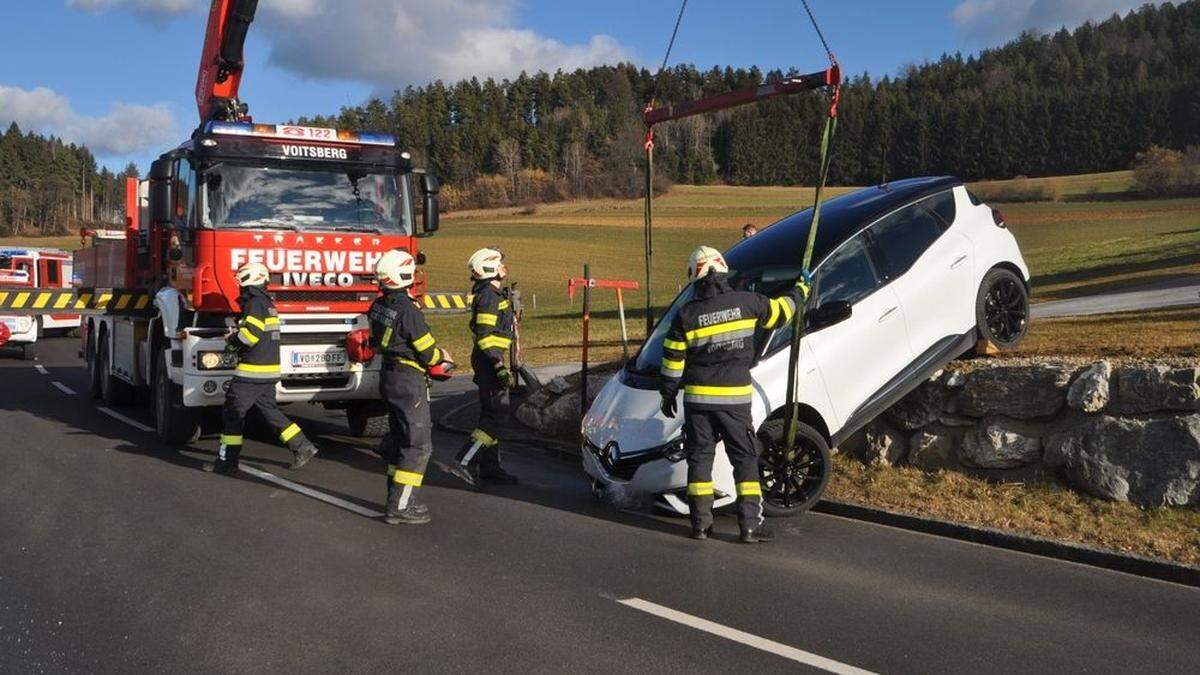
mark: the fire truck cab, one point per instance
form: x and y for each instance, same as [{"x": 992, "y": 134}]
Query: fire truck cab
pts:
[
  {"x": 28, "y": 268},
  {"x": 317, "y": 206}
]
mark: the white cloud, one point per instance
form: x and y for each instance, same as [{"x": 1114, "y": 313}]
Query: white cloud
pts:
[
  {"x": 126, "y": 128},
  {"x": 991, "y": 21},
  {"x": 151, "y": 9}
]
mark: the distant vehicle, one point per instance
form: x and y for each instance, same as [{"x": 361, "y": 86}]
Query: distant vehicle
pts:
[
  {"x": 28, "y": 268},
  {"x": 907, "y": 275}
]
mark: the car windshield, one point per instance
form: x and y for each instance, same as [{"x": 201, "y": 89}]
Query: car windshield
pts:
[
  {"x": 770, "y": 281},
  {"x": 243, "y": 196}
]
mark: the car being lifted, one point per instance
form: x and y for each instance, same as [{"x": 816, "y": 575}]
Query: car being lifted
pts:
[{"x": 907, "y": 276}]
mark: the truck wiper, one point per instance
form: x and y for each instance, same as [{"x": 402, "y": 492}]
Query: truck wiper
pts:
[{"x": 264, "y": 224}]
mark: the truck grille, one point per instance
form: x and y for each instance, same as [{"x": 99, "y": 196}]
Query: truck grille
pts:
[{"x": 330, "y": 381}]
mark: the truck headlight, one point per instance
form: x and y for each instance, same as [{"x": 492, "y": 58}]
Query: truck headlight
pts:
[
  {"x": 216, "y": 360},
  {"x": 24, "y": 324}
]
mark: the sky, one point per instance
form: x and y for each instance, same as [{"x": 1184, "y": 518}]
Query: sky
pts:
[{"x": 119, "y": 75}]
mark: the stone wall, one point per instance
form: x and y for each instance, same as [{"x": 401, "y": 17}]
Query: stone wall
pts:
[{"x": 1129, "y": 432}]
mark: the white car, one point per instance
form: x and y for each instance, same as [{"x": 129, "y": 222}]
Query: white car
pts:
[{"x": 907, "y": 276}]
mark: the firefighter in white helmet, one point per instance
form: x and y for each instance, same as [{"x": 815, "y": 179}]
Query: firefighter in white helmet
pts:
[
  {"x": 492, "y": 330},
  {"x": 709, "y": 350},
  {"x": 408, "y": 350},
  {"x": 256, "y": 342}
]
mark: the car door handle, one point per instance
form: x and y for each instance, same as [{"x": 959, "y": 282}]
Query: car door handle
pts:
[
  {"x": 958, "y": 261},
  {"x": 888, "y": 312}
]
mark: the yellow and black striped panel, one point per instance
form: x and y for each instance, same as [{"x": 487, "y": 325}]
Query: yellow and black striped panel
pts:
[
  {"x": 74, "y": 301},
  {"x": 447, "y": 303}
]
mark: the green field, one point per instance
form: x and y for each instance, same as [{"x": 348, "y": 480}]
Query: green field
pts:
[{"x": 1094, "y": 238}]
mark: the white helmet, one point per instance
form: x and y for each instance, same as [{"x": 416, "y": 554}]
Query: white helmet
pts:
[
  {"x": 253, "y": 274},
  {"x": 487, "y": 263},
  {"x": 396, "y": 269},
  {"x": 705, "y": 260}
]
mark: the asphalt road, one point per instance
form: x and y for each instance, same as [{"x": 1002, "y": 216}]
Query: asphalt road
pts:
[
  {"x": 118, "y": 554},
  {"x": 1175, "y": 293}
]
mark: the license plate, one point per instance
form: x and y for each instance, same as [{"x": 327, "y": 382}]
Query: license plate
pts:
[{"x": 313, "y": 359}]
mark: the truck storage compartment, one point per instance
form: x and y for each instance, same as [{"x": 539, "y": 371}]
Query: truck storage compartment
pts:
[{"x": 101, "y": 265}]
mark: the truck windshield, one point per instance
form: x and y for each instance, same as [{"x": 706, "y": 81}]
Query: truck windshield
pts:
[{"x": 243, "y": 196}]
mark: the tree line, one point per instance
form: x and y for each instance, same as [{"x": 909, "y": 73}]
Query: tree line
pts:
[{"x": 49, "y": 186}]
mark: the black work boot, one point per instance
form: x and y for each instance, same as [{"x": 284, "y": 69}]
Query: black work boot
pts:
[
  {"x": 466, "y": 472},
  {"x": 703, "y": 534},
  {"x": 700, "y": 513},
  {"x": 421, "y": 508},
  {"x": 302, "y": 451},
  {"x": 226, "y": 463},
  {"x": 409, "y": 514},
  {"x": 490, "y": 469},
  {"x": 754, "y": 535}
]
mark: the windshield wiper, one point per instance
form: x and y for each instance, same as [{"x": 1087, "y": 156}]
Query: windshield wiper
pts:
[
  {"x": 264, "y": 224},
  {"x": 360, "y": 228}
]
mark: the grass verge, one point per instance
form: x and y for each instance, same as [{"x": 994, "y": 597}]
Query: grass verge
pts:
[{"x": 1044, "y": 510}]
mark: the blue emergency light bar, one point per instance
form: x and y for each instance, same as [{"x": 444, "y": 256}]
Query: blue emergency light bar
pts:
[{"x": 292, "y": 132}]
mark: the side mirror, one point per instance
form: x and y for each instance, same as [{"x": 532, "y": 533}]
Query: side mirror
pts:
[
  {"x": 429, "y": 217},
  {"x": 829, "y": 314},
  {"x": 162, "y": 198}
]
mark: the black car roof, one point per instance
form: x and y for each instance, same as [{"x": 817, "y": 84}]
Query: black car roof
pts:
[{"x": 782, "y": 243}]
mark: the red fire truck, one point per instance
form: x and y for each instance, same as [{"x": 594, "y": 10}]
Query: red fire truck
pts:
[
  {"x": 23, "y": 269},
  {"x": 317, "y": 206}
]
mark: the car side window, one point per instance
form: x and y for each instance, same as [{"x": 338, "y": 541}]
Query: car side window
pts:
[
  {"x": 942, "y": 206},
  {"x": 847, "y": 275},
  {"x": 903, "y": 236}
]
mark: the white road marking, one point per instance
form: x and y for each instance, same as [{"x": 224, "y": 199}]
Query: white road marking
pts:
[
  {"x": 309, "y": 492},
  {"x": 41, "y": 369},
  {"x": 63, "y": 388},
  {"x": 121, "y": 418},
  {"x": 779, "y": 649}
]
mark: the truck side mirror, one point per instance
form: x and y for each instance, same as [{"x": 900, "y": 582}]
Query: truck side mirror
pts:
[
  {"x": 162, "y": 198},
  {"x": 429, "y": 217}
]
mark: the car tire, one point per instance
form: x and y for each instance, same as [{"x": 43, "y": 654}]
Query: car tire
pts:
[
  {"x": 1002, "y": 308},
  {"x": 366, "y": 420},
  {"x": 792, "y": 486},
  {"x": 174, "y": 423},
  {"x": 113, "y": 390}
]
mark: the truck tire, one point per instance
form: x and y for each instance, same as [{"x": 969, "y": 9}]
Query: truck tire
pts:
[
  {"x": 113, "y": 390},
  {"x": 366, "y": 419},
  {"x": 29, "y": 351},
  {"x": 792, "y": 485},
  {"x": 175, "y": 423}
]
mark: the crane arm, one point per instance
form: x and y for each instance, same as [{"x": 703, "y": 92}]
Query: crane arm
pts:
[{"x": 221, "y": 61}]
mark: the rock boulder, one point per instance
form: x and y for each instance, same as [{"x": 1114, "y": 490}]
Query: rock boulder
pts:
[
  {"x": 1025, "y": 392},
  {"x": 995, "y": 444},
  {"x": 1156, "y": 389},
  {"x": 1089, "y": 391}
]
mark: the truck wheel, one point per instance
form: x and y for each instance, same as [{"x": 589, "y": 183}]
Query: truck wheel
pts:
[
  {"x": 175, "y": 423},
  {"x": 113, "y": 390},
  {"x": 29, "y": 351},
  {"x": 93, "y": 366},
  {"x": 367, "y": 419},
  {"x": 792, "y": 482},
  {"x": 1002, "y": 308}
]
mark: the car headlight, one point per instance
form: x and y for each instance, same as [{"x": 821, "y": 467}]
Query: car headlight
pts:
[
  {"x": 24, "y": 324},
  {"x": 674, "y": 451},
  {"x": 216, "y": 360}
]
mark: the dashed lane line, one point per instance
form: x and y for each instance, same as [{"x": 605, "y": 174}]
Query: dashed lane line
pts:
[
  {"x": 121, "y": 418},
  {"x": 777, "y": 648},
  {"x": 63, "y": 388},
  {"x": 309, "y": 492},
  {"x": 41, "y": 369}
]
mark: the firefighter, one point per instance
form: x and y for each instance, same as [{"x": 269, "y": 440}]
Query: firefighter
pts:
[
  {"x": 492, "y": 328},
  {"x": 401, "y": 336},
  {"x": 256, "y": 342},
  {"x": 709, "y": 350}
]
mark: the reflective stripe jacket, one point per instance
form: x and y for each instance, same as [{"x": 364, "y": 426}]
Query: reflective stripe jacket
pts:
[
  {"x": 491, "y": 321},
  {"x": 257, "y": 337},
  {"x": 710, "y": 346},
  {"x": 400, "y": 334}
]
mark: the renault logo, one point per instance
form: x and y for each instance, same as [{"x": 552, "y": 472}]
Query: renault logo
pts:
[{"x": 612, "y": 452}]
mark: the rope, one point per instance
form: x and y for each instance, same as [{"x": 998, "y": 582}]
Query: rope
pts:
[
  {"x": 824, "y": 43},
  {"x": 674, "y": 33}
]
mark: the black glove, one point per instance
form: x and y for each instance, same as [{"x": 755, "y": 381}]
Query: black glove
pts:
[
  {"x": 505, "y": 376},
  {"x": 669, "y": 404}
]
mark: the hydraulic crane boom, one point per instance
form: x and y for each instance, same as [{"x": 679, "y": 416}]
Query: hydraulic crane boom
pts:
[{"x": 221, "y": 61}]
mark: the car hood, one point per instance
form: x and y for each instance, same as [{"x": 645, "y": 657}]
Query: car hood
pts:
[{"x": 630, "y": 417}]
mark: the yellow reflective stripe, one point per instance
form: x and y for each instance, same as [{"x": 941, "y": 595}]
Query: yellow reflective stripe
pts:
[
  {"x": 494, "y": 341},
  {"x": 437, "y": 356},
  {"x": 484, "y": 438},
  {"x": 788, "y": 308},
  {"x": 142, "y": 302},
  {"x": 726, "y": 327},
  {"x": 700, "y": 489},
  {"x": 230, "y": 439},
  {"x": 410, "y": 364},
  {"x": 63, "y": 300},
  {"x": 254, "y": 321},
  {"x": 774, "y": 315},
  {"x": 19, "y": 301},
  {"x": 387, "y": 337},
  {"x": 249, "y": 338},
  {"x": 424, "y": 342},
  {"x": 485, "y": 319},
  {"x": 749, "y": 488},
  {"x": 123, "y": 301},
  {"x": 407, "y": 478},
  {"x": 290, "y": 432},
  {"x": 703, "y": 390},
  {"x": 254, "y": 368},
  {"x": 272, "y": 321},
  {"x": 668, "y": 364},
  {"x": 677, "y": 346},
  {"x": 505, "y": 304}
]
